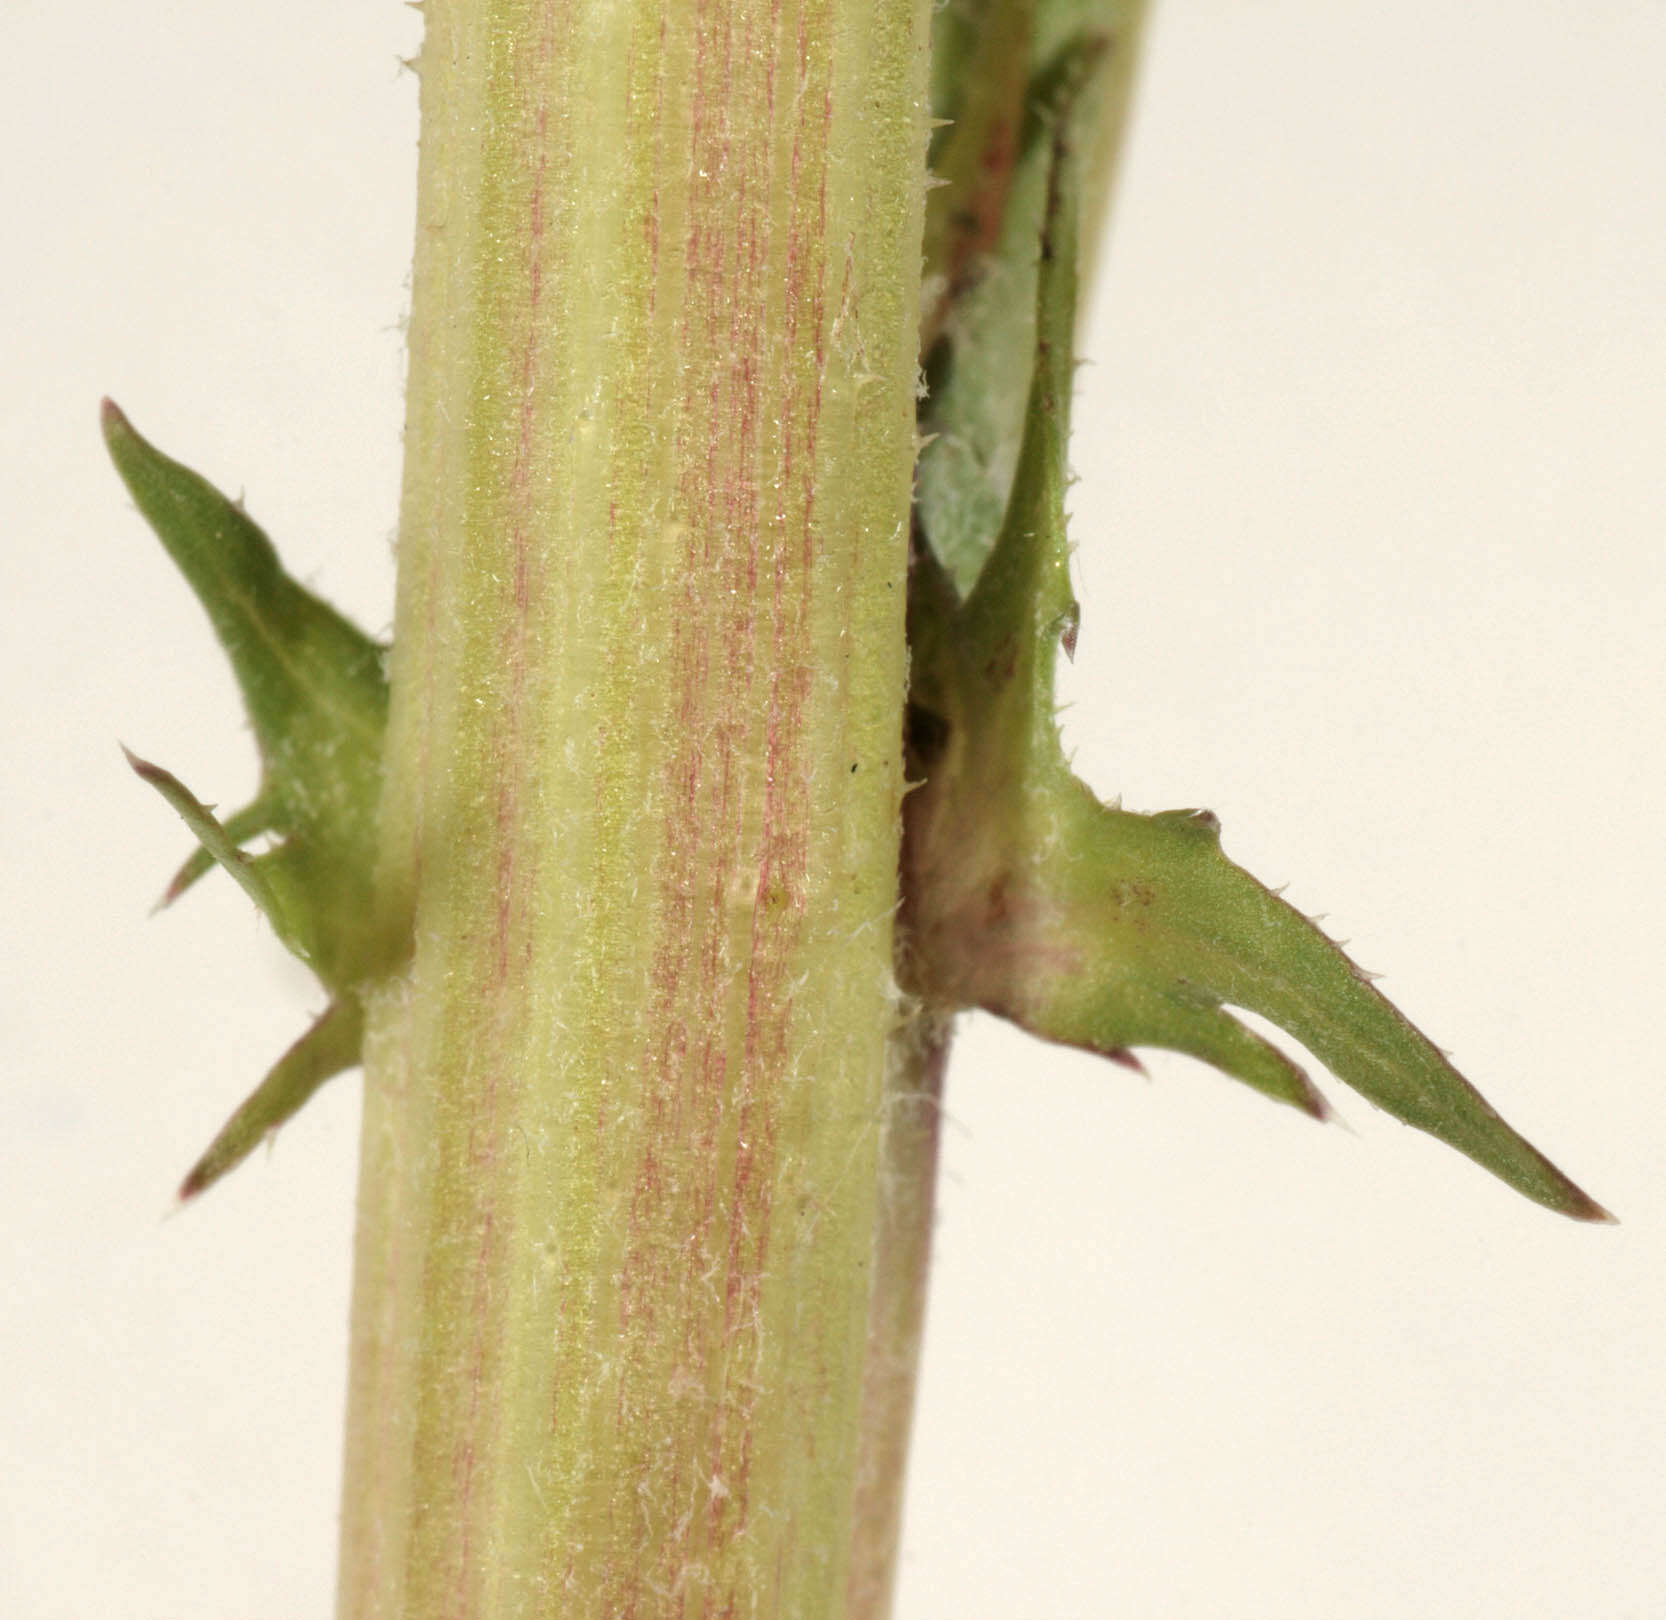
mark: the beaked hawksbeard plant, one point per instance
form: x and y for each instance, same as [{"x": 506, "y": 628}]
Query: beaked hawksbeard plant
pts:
[
  {"x": 1018, "y": 890},
  {"x": 1023, "y": 894}
]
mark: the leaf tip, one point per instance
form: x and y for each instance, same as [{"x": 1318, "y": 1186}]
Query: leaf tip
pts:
[
  {"x": 1579, "y": 1205},
  {"x": 142, "y": 768},
  {"x": 1313, "y": 1102}
]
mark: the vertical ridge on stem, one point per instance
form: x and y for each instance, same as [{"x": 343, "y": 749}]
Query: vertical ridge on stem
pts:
[{"x": 622, "y": 1115}]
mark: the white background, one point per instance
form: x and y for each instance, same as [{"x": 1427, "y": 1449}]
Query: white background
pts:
[{"x": 1373, "y": 563}]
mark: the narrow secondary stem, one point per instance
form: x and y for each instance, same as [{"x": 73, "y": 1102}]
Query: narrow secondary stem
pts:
[
  {"x": 621, "y": 1170},
  {"x": 896, "y": 1307}
]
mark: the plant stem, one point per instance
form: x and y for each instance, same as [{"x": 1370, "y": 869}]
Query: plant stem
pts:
[
  {"x": 621, "y": 1181},
  {"x": 897, "y": 1306}
]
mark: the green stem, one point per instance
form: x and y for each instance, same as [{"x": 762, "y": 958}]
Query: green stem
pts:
[
  {"x": 620, "y": 1183},
  {"x": 897, "y": 1306}
]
